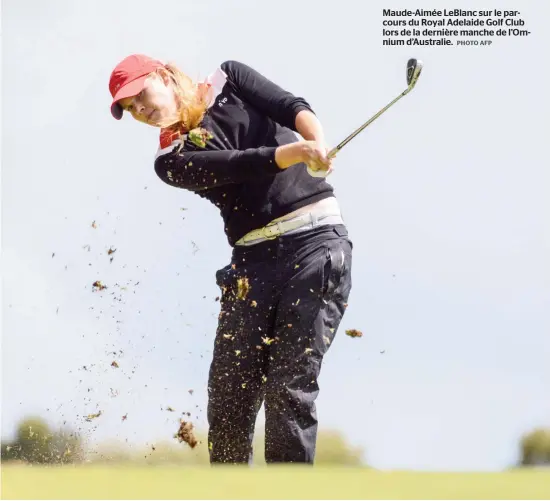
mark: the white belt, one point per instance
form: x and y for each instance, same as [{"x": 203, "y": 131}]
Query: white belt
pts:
[{"x": 303, "y": 222}]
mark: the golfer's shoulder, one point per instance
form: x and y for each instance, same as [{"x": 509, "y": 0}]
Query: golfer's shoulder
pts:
[
  {"x": 236, "y": 69},
  {"x": 232, "y": 64}
]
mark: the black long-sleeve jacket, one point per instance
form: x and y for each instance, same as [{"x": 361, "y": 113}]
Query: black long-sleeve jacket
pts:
[{"x": 248, "y": 118}]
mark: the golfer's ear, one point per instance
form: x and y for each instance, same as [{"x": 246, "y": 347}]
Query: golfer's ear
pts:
[{"x": 164, "y": 75}]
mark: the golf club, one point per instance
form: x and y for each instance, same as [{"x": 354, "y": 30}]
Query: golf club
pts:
[{"x": 414, "y": 68}]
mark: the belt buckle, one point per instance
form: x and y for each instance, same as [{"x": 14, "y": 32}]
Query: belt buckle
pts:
[{"x": 270, "y": 225}]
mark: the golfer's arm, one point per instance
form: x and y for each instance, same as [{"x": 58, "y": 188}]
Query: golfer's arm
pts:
[
  {"x": 266, "y": 96},
  {"x": 290, "y": 154},
  {"x": 309, "y": 126},
  {"x": 199, "y": 170}
]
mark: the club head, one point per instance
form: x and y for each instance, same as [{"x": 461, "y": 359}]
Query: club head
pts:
[{"x": 414, "y": 68}]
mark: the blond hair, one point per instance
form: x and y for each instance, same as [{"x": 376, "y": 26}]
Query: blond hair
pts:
[{"x": 192, "y": 105}]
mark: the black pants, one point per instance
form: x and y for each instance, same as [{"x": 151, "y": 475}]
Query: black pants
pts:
[{"x": 281, "y": 304}]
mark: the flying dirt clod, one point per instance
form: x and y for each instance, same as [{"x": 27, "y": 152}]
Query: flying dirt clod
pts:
[
  {"x": 98, "y": 285},
  {"x": 185, "y": 434}
]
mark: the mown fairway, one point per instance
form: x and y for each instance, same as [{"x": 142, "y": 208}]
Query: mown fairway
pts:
[{"x": 120, "y": 482}]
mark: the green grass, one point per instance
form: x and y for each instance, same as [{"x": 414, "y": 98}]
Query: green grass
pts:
[{"x": 120, "y": 482}]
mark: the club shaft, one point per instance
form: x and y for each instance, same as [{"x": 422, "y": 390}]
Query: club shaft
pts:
[{"x": 336, "y": 149}]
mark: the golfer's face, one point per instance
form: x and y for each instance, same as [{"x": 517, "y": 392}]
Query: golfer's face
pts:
[{"x": 155, "y": 103}]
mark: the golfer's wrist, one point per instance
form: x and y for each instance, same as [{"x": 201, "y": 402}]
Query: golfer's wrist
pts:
[{"x": 290, "y": 154}]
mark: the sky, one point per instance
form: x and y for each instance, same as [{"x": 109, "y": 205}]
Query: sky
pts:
[{"x": 445, "y": 197}]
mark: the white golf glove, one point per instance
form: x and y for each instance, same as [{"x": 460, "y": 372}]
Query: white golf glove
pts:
[{"x": 318, "y": 173}]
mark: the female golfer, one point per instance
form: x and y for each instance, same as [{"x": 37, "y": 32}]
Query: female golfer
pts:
[{"x": 231, "y": 140}]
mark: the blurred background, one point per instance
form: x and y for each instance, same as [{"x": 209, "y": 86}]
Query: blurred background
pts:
[{"x": 445, "y": 197}]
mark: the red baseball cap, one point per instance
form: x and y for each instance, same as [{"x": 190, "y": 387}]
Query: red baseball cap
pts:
[{"x": 128, "y": 77}]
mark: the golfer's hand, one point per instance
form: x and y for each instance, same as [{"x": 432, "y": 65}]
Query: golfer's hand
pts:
[{"x": 314, "y": 155}]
